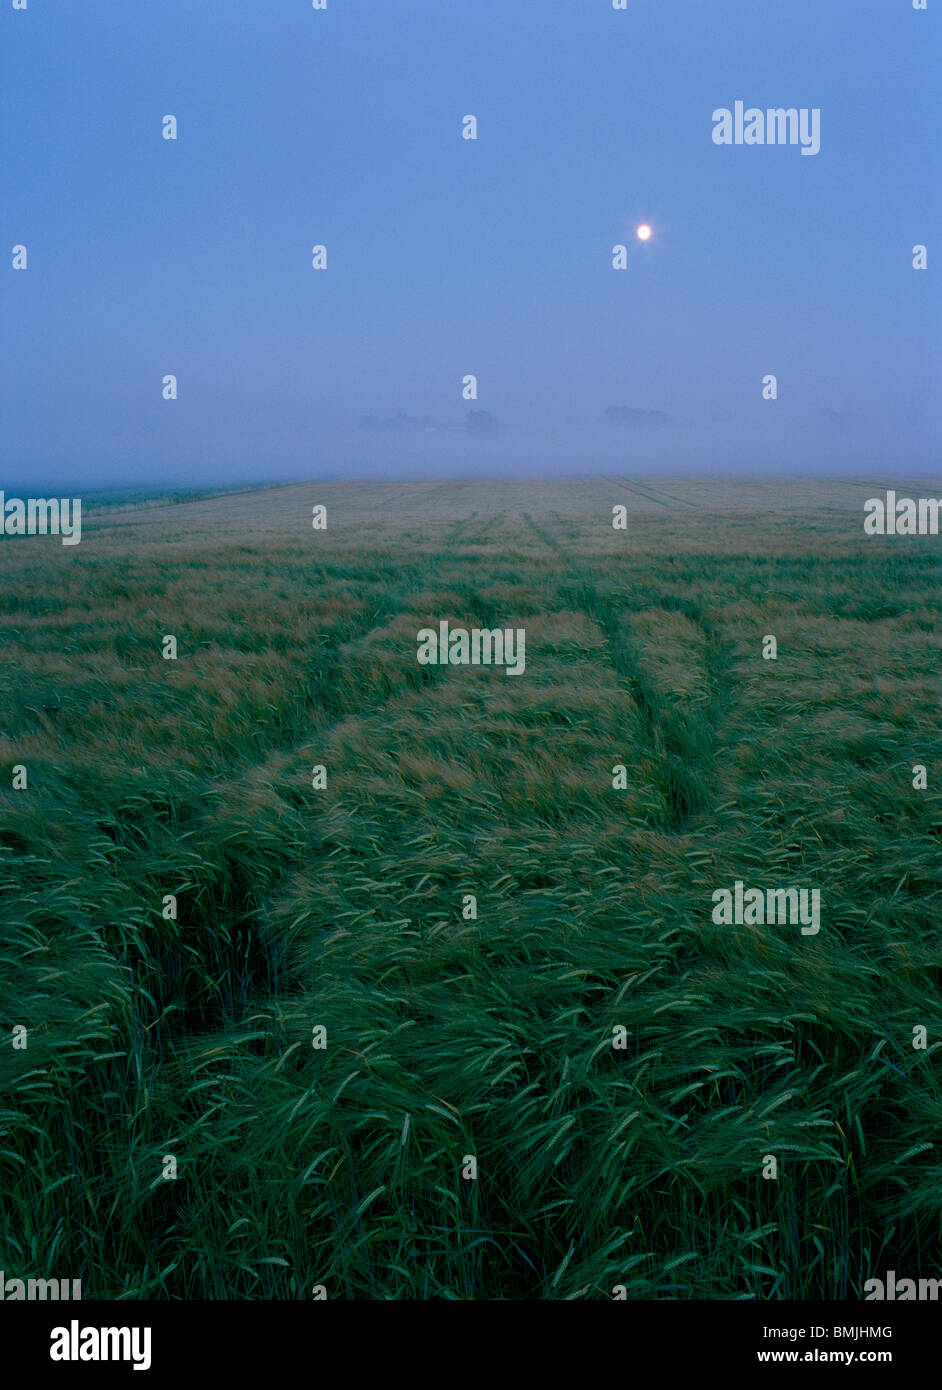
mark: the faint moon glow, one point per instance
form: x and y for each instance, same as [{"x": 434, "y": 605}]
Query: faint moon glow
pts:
[{"x": 644, "y": 232}]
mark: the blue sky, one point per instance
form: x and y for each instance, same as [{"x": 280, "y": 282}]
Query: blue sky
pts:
[{"x": 448, "y": 256}]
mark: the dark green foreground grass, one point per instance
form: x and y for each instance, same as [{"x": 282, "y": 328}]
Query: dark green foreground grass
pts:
[{"x": 447, "y": 1037}]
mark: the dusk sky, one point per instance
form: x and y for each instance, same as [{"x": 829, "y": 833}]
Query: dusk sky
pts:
[{"x": 447, "y": 256}]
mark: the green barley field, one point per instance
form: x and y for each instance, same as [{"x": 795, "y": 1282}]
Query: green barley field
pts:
[{"x": 324, "y": 1035}]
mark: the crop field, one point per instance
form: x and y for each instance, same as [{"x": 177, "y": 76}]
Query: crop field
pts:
[{"x": 453, "y": 1017}]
